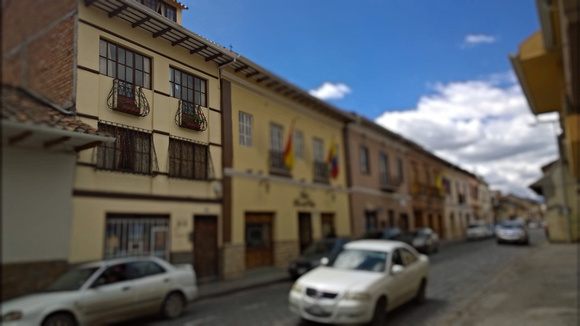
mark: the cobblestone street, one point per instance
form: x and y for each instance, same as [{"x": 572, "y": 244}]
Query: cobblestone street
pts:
[{"x": 460, "y": 273}]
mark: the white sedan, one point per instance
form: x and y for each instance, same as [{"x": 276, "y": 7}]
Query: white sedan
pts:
[
  {"x": 106, "y": 291},
  {"x": 366, "y": 279}
]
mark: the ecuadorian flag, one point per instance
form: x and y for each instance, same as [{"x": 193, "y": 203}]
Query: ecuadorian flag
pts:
[{"x": 333, "y": 160}]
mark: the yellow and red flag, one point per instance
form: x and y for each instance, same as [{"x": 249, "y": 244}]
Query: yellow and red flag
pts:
[
  {"x": 289, "y": 148},
  {"x": 332, "y": 160}
]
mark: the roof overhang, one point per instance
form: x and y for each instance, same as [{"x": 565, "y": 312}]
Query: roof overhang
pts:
[
  {"x": 537, "y": 186},
  {"x": 142, "y": 17},
  {"x": 540, "y": 74},
  {"x": 29, "y": 135}
]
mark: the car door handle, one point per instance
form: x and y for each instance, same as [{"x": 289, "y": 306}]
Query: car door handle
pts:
[
  {"x": 126, "y": 288},
  {"x": 166, "y": 280}
]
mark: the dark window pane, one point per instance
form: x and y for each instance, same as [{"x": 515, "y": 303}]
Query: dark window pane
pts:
[
  {"x": 146, "y": 64},
  {"x": 138, "y": 78},
  {"x": 103, "y": 65},
  {"x": 129, "y": 75},
  {"x": 197, "y": 84},
  {"x": 197, "y": 99},
  {"x": 171, "y": 74},
  {"x": 146, "y": 81},
  {"x": 203, "y": 86},
  {"x": 129, "y": 59},
  {"x": 102, "y": 48},
  {"x": 121, "y": 72},
  {"x": 112, "y": 54},
  {"x": 111, "y": 71},
  {"x": 138, "y": 62},
  {"x": 121, "y": 53},
  {"x": 178, "y": 77}
]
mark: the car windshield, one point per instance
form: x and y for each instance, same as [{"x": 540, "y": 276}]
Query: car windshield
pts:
[
  {"x": 511, "y": 226},
  {"x": 319, "y": 248},
  {"x": 72, "y": 280},
  {"x": 360, "y": 260}
]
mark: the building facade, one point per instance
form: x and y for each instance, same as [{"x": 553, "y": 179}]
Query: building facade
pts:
[
  {"x": 40, "y": 140},
  {"x": 378, "y": 175},
  {"x": 285, "y": 170},
  {"x": 147, "y": 81}
]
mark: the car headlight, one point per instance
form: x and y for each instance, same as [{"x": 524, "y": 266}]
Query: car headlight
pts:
[
  {"x": 297, "y": 288},
  {"x": 358, "y": 296},
  {"x": 12, "y": 315}
]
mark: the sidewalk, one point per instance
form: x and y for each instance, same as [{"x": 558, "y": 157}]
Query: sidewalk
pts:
[
  {"x": 251, "y": 279},
  {"x": 540, "y": 289}
]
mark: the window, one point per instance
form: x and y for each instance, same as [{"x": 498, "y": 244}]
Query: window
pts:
[
  {"x": 384, "y": 168},
  {"x": 400, "y": 169},
  {"x": 114, "y": 274},
  {"x": 245, "y": 128},
  {"x": 136, "y": 235},
  {"x": 371, "y": 221},
  {"x": 161, "y": 8},
  {"x": 276, "y": 138},
  {"x": 318, "y": 149},
  {"x": 131, "y": 151},
  {"x": 299, "y": 144},
  {"x": 365, "y": 167},
  {"x": 187, "y": 87},
  {"x": 188, "y": 160},
  {"x": 141, "y": 269},
  {"x": 408, "y": 257},
  {"x": 123, "y": 64}
]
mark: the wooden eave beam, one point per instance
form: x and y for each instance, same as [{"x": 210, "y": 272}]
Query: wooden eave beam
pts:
[
  {"x": 117, "y": 11},
  {"x": 201, "y": 48},
  {"x": 161, "y": 32},
  {"x": 213, "y": 57},
  {"x": 56, "y": 141},
  {"x": 87, "y": 146},
  {"x": 226, "y": 63},
  {"x": 181, "y": 40},
  {"x": 241, "y": 68},
  {"x": 272, "y": 83},
  {"x": 261, "y": 79},
  {"x": 20, "y": 137},
  {"x": 251, "y": 74},
  {"x": 89, "y": 2},
  {"x": 141, "y": 22}
]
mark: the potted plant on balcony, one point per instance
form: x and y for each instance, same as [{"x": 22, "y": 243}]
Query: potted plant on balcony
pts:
[{"x": 194, "y": 119}]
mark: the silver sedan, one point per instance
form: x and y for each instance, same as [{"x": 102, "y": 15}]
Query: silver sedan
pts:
[{"x": 107, "y": 291}]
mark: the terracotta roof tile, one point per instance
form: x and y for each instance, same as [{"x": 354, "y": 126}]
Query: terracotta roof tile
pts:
[{"x": 21, "y": 106}]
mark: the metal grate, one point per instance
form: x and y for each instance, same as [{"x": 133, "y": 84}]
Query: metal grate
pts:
[
  {"x": 131, "y": 235},
  {"x": 128, "y": 98},
  {"x": 190, "y": 116}
]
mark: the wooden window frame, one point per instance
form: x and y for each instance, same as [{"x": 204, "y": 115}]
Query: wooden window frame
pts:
[
  {"x": 203, "y": 95},
  {"x": 365, "y": 167},
  {"x": 178, "y": 154},
  {"x": 122, "y": 155},
  {"x": 109, "y": 64}
]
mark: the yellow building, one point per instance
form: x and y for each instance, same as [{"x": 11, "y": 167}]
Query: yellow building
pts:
[
  {"x": 154, "y": 86},
  {"x": 548, "y": 70},
  {"x": 279, "y": 203}
]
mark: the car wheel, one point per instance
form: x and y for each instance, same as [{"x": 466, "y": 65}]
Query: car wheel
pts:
[
  {"x": 379, "y": 313},
  {"x": 173, "y": 306},
  {"x": 59, "y": 319},
  {"x": 421, "y": 292}
]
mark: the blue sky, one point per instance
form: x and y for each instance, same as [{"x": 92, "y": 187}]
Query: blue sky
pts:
[{"x": 387, "y": 52}]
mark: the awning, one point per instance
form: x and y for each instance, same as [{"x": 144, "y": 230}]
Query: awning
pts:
[{"x": 540, "y": 74}]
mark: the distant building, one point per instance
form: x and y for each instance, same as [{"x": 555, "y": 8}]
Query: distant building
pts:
[{"x": 508, "y": 207}]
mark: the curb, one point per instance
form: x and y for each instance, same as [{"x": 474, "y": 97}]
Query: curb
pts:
[{"x": 233, "y": 290}]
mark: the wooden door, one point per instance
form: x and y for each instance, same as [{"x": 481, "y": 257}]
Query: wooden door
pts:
[
  {"x": 304, "y": 230},
  {"x": 259, "y": 244},
  {"x": 205, "y": 247},
  {"x": 327, "y": 220}
]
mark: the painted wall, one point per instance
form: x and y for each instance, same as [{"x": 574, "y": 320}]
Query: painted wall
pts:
[
  {"x": 254, "y": 190},
  {"x": 36, "y": 205},
  {"x": 92, "y": 91},
  {"x": 559, "y": 227}
]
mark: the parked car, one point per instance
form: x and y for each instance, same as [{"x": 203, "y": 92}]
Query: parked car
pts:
[
  {"x": 314, "y": 254},
  {"x": 385, "y": 234},
  {"x": 424, "y": 240},
  {"x": 478, "y": 230},
  {"x": 365, "y": 280},
  {"x": 512, "y": 232},
  {"x": 107, "y": 291}
]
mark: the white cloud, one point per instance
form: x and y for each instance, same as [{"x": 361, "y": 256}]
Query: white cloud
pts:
[
  {"x": 471, "y": 40},
  {"x": 482, "y": 125},
  {"x": 331, "y": 91}
]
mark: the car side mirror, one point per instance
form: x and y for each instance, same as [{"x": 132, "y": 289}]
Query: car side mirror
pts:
[
  {"x": 324, "y": 261},
  {"x": 396, "y": 269}
]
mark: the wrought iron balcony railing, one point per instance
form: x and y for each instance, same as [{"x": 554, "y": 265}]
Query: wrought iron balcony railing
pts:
[
  {"x": 390, "y": 183},
  {"x": 191, "y": 116},
  {"x": 127, "y": 98},
  {"x": 321, "y": 172},
  {"x": 277, "y": 165}
]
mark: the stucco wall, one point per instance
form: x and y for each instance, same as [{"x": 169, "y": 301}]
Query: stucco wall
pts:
[{"x": 36, "y": 205}]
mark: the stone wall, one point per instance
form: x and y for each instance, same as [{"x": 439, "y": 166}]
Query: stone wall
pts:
[
  {"x": 232, "y": 261},
  {"x": 23, "y": 278},
  {"x": 284, "y": 252}
]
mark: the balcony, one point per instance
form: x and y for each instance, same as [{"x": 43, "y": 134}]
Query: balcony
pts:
[
  {"x": 389, "y": 183},
  {"x": 127, "y": 98},
  {"x": 191, "y": 116},
  {"x": 427, "y": 190},
  {"x": 277, "y": 166},
  {"x": 321, "y": 172}
]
